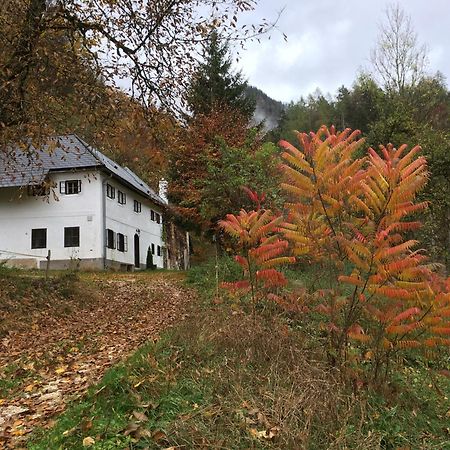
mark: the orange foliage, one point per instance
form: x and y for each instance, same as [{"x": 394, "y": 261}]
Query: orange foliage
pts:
[
  {"x": 356, "y": 212},
  {"x": 259, "y": 250}
]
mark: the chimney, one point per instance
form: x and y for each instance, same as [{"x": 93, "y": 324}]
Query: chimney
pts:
[{"x": 163, "y": 190}]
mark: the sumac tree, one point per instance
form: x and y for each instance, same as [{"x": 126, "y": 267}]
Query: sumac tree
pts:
[
  {"x": 259, "y": 250},
  {"x": 354, "y": 215}
]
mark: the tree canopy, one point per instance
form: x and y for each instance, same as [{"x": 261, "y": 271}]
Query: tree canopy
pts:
[
  {"x": 61, "y": 57},
  {"x": 214, "y": 84}
]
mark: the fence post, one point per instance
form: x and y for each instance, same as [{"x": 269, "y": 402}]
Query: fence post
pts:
[{"x": 48, "y": 264}]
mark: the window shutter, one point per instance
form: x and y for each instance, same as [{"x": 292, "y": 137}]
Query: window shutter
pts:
[
  {"x": 62, "y": 187},
  {"x": 125, "y": 243}
]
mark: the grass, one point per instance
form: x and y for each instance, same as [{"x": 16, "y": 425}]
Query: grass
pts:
[{"x": 222, "y": 380}]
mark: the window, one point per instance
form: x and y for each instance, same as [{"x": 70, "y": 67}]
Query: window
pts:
[
  {"x": 159, "y": 250},
  {"x": 122, "y": 242},
  {"x": 153, "y": 249},
  {"x": 110, "y": 238},
  {"x": 71, "y": 236},
  {"x": 38, "y": 190},
  {"x": 39, "y": 238},
  {"x": 158, "y": 218},
  {"x": 69, "y": 187},
  {"x": 110, "y": 191},
  {"x": 137, "y": 206},
  {"x": 152, "y": 214},
  {"x": 121, "y": 197}
]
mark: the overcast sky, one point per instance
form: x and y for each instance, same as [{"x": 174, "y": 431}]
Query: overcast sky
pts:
[{"x": 329, "y": 42}]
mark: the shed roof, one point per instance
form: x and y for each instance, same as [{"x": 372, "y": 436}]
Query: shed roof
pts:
[{"x": 68, "y": 152}]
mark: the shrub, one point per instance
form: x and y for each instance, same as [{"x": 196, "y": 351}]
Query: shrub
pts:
[{"x": 353, "y": 216}]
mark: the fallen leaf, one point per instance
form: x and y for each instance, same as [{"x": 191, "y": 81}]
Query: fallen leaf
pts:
[
  {"x": 60, "y": 370},
  {"x": 88, "y": 441},
  {"x": 86, "y": 425},
  {"x": 158, "y": 435},
  {"x": 132, "y": 427},
  {"x": 141, "y": 417}
]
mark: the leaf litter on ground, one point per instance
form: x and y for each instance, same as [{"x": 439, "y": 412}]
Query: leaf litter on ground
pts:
[{"x": 60, "y": 356}]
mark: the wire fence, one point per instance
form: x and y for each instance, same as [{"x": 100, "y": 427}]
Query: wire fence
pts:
[
  {"x": 8, "y": 252},
  {"x": 48, "y": 257}
]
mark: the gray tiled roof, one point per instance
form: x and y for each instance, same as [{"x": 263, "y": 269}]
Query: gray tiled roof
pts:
[{"x": 20, "y": 168}]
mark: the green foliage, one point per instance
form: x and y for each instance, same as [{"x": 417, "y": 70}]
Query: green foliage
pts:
[
  {"x": 419, "y": 113},
  {"x": 203, "y": 276},
  {"x": 221, "y": 190},
  {"x": 214, "y": 84}
]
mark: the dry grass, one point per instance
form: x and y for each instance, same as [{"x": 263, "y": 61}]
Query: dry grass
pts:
[{"x": 264, "y": 379}]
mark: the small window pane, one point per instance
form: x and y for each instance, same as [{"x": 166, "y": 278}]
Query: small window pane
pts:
[
  {"x": 159, "y": 250},
  {"x": 121, "y": 197},
  {"x": 72, "y": 237},
  {"x": 120, "y": 242},
  {"x": 137, "y": 206},
  {"x": 71, "y": 187},
  {"x": 39, "y": 238},
  {"x": 110, "y": 191},
  {"x": 153, "y": 249},
  {"x": 152, "y": 215},
  {"x": 110, "y": 239},
  {"x": 158, "y": 218}
]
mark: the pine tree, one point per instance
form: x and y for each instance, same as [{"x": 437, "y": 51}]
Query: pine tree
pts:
[{"x": 214, "y": 83}]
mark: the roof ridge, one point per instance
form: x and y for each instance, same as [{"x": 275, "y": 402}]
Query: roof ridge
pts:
[{"x": 89, "y": 148}]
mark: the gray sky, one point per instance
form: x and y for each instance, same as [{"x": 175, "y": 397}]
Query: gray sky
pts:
[{"x": 329, "y": 42}]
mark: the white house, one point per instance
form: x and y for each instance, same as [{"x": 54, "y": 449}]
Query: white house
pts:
[{"x": 75, "y": 202}]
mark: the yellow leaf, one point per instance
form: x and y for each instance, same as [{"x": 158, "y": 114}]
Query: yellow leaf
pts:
[
  {"x": 88, "y": 441},
  {"x": 60, "y": 370}
]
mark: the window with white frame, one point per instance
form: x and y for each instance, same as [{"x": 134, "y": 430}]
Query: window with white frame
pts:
[
  {"x": 110, "y": 239},
  {"x": 159, "y": 250},
  {"x": 152, "y": 215},
  {"x": 71, "y": 236},
  {"x": 137, "y": 206},
  {"x": 153, "y": 249},
  {"x": 70, "y": 187},
  {"x": 158, "y": 218},
  {"x": 121, "y": 197},
  {"x": 39, "y": 238},
  {"x": 110, "y": 191},
  {"x": 122, "y": 242}
]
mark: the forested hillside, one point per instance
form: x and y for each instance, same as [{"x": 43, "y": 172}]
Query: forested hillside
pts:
[{"x": 267, "y": 110}]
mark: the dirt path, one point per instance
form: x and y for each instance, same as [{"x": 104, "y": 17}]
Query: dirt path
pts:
[{"x": 58, "y": 356}]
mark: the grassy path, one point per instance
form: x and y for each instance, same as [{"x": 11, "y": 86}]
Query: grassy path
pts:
[{"x": 55, "y": 348}]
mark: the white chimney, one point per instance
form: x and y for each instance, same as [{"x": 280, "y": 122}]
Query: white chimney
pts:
[{"x": 163, "y": 190}]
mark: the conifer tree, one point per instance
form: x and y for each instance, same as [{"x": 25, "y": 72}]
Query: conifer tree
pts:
[{"x": 214, "y": 84}]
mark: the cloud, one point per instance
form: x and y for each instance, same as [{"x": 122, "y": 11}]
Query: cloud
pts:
[{"x": 329, "y": 43}]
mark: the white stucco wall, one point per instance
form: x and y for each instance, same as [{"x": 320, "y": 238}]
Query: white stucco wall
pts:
[
  {"x": 20, "y": 213},
  {"x": 123, "y": 219}
]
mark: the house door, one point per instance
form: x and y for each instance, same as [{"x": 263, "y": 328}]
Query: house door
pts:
[{"x": 136, "y": 252}]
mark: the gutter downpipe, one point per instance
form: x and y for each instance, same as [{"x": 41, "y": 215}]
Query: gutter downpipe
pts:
[{"x": 103, "y": 232}]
